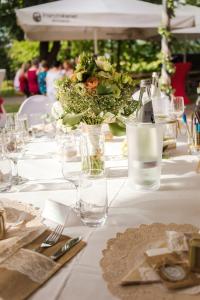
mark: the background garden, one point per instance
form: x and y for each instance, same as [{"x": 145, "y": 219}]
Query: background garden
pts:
[{"x": 135, "y": 56}]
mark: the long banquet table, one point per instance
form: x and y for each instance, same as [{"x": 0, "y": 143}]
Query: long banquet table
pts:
[{"x": 178, "y": 200}]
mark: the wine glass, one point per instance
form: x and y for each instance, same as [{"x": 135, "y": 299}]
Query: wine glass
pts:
[
  {"x": 21, "y": 124},
  {"x": 14, "y": 147},
  {"x": 177, "y": 109},
  {"x": 177, "y": 106},
  {"x": 10, "y": 121},
  {"x": 71, "y": 164}
]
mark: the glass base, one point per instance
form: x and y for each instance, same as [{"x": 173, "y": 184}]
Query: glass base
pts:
[
  {"x": 17, "y": 180},
  {"x": 152, "y": 187},
  {"x": 5, "y": 188},
  {"x": 92, "y": 222}
]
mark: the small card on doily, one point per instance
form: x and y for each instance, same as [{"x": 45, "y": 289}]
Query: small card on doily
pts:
[{"x": 144, "y": 274}]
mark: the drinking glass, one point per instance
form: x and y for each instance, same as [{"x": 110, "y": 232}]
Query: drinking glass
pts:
[
  {"x": 177, "y": 106},
  {"x": 93, "y": 202},
  {"x": 14, "y": 146},
  {"x": 68, "y": 148},
  {"x": 5, "y": 169},
  {"x": 21, "y": 124},
  {"x": 10, "y": 121}
]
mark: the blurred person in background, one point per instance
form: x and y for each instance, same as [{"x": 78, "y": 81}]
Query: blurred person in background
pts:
[
  {"x": 42, "y": 74},
  {"x": 53, "y": 74},
  {"x": 23, "y": 80},
  {"x": 18, "y": 74},
  {"x": 32, "y": 77},
  {"x": 67, "y": 69}
]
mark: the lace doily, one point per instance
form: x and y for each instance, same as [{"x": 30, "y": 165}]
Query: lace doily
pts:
[
  {"x": 127, "y": 251},
  {"x": 23, "y": 223}
]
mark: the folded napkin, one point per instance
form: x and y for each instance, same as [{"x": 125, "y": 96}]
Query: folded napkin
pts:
[
  {"x": 26, "y": 270},
  {"x": 23, "y": 224},
  {"x": 22, "y": 270}
]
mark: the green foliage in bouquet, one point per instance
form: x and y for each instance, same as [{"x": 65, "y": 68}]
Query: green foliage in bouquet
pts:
[{"x": 96, "y": 93}]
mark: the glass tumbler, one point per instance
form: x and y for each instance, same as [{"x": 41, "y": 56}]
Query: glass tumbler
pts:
[
  {"x": 5, "y": 168},
  {"x": 93, "y": 202},
  {"x": 5, "y": 174}
]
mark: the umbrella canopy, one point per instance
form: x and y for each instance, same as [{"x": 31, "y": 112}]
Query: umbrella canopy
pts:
[
  {"x": 193, "y": 32},
  {"x": 106, "y": 19}
]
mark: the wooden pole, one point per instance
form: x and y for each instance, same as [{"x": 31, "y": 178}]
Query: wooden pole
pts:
[
  {"x": 95, "y": 42},
  {"x": 165, "y": 47}
]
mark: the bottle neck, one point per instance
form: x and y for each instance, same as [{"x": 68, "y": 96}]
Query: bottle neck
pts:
[
  {"x": 155, "y": 89},
  {"x": 198, "y": 96},
  {"x": 145, "y": 94},
  {"x": 155, "y": 81},
  {"x": 145, "y": 113}
]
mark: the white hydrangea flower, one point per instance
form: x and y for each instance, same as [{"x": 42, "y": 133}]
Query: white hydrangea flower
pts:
[{"x": 57, "y": 110}]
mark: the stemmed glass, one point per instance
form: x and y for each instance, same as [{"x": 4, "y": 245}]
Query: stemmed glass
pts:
[
  {"x": 21, "y": 124},
  {"x": 73, "y": 150},
  {"x": 14, "y": 146},
  {"x": 10, "y": 121},
  {"x": 177, "y": 108}
]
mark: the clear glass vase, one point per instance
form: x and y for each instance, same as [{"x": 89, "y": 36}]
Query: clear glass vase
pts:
[{"x": 92, "y": 148}]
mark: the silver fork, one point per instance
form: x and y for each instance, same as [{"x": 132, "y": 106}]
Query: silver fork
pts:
[{"x": 52, "y": 238}]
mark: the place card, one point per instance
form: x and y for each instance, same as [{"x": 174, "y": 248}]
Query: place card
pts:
[
  {"x": 56, "y": 212},
  {"x": 143, "y": 274}
]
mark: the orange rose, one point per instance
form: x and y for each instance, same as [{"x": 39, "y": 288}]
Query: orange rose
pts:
[
  {"x": 92, "y": 83},
  {"x": 73, "y": 77}
]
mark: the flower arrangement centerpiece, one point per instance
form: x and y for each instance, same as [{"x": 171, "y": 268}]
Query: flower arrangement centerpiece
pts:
[{"x": 94, "y": 95}]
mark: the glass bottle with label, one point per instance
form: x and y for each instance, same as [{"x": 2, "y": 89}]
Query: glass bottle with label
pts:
[
  {"x": 145, "y": 113},
  {"x": 156, "y": 95}
]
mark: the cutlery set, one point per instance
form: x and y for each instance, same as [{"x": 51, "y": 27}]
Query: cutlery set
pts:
[{"x": 53, "y": 238}]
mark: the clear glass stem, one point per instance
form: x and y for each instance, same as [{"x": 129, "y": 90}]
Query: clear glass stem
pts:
[
  {"x": 76, "y": 206},
  {"x": 15, "y": 169}
]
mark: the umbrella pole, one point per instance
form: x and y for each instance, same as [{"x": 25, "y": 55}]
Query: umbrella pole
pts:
[
  {"x": 185, "y": 51},
  {"x": 165, "y": 48},
  {"x": 95, "y": 42}
]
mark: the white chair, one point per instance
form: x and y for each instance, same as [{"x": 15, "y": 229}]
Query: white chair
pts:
[{"x": 35, "y": 107}]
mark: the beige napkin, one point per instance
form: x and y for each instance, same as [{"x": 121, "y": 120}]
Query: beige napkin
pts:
[
  {"x": 23, "y": 224},
  {"x": 26, "y": 270},
  {"x": 22, "y": 270}
]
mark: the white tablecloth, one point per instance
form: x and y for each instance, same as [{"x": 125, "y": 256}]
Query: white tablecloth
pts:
[{"x": 178, "y": 200}]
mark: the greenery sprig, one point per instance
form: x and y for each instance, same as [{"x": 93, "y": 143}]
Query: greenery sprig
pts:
[{"x": 166, "y": 58}]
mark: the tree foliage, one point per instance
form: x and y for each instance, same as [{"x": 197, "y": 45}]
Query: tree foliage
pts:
[{"x": 133, "y": 56}]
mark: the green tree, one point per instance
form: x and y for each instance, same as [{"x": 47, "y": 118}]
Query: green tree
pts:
[{"x": 47, "y": 51}]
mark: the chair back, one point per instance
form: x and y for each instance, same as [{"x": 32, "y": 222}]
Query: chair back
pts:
[{"x": 35, "y": 107}]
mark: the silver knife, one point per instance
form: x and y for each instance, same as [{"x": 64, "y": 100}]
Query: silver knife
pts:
[{"x": 67, "y": 246}]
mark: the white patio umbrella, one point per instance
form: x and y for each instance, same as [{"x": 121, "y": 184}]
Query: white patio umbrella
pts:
[
  {"x": 95, "y": 19},
  {"x": 193, "y": 32}
]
